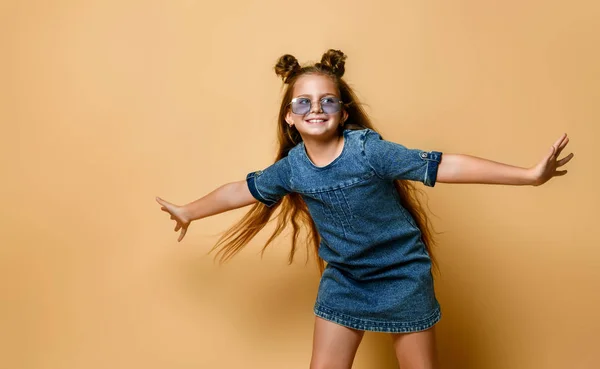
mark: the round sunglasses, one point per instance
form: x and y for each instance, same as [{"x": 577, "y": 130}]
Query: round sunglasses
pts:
[{"x": 303, "y": 105}]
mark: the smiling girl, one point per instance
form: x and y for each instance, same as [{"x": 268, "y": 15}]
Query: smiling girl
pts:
[{"x": 354, "y": 192}]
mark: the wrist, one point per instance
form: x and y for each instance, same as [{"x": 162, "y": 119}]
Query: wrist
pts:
[
  {"x": 531, "y": 177},
  {"x": 186, "y": 212}
]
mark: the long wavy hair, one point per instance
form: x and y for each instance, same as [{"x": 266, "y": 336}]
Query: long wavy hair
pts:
[{"x": 292, "y": 209}]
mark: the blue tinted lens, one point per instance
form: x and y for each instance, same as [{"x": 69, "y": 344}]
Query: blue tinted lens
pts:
[
  {"x": 330, "y": 105},
  {"x": 300, "y": 106}
]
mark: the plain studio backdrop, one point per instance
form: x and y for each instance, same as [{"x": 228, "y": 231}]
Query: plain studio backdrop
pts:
[{"x": 106, "y": 104}]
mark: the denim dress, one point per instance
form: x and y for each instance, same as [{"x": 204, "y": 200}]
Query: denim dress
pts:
[{"x": 378, "y": 274}]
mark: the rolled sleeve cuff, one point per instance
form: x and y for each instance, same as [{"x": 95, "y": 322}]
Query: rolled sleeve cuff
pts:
[
  {"x": 251, "y": 181},
  {"x": 433, "y": 159}
]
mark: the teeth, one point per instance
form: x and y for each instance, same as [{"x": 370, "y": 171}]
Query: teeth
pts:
[{"x": 316, "y": 120}]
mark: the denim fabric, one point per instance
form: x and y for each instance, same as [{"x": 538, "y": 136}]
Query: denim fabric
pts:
[{"x": 378, "y": 273}]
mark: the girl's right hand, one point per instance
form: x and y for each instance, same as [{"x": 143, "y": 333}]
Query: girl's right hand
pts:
[{"x": 177, "y": 214}]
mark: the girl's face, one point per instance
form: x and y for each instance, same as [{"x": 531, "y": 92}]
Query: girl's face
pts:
[{"x": 316, "y": 110}]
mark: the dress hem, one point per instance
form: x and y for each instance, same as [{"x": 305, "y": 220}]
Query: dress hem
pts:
[{"x": 378, "y": 326}]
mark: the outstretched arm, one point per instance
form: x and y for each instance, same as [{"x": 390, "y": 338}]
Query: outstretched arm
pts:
[
  {"x": 227, "y": 197},
  {"x": 457, "y": 168}
]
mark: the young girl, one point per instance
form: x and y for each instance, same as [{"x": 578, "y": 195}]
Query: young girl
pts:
[{"x": 352, "y": 190}]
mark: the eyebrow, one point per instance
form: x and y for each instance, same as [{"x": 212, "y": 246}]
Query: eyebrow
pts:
[{"x": 320, "y": 97}]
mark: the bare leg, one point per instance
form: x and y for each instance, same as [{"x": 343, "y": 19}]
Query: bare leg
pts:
[
  {"x": 416, "y": 350},
  {"x": 334, "y": 346}
]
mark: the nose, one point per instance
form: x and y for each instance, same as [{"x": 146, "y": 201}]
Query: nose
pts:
[{"x": 315, "y": 107}]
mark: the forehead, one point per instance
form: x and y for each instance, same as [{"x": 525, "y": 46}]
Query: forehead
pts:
[{"x": 315, "y": 85}]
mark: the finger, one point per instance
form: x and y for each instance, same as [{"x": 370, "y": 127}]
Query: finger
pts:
[
  {"x": 559, "y": 142},
  {"x": 559, "y": 173},
  {"x": 565, "y": 160},
  {"x": 163, "y": 202},
  {"x": 183, "y": 232},
  {"x": 550, "y": 155},
  {"x": 562, "y": 146},
  {"x": 177, "y": 226}
]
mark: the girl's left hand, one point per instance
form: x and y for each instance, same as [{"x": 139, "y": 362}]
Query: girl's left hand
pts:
[{"x": 547, "y": 168}]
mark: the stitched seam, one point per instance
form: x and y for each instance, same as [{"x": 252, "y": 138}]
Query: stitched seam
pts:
[
  {"x": 337, "y": 187},
  {"x": 364, "y": 153},
  {"x": 378, "y": 322},
  {"x": 268, "y": 199}
]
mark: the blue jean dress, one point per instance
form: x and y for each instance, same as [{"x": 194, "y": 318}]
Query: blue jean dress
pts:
[{"x": 378, "y": 274}]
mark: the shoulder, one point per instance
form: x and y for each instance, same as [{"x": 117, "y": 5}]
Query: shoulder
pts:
[
  {"x": 363, "y": 134},
  {"x": 360, "y": 135},
  {"x": 294, "y": 156},
  {"x": 294, "y": 151},
  {"x": 365, "y": 138}
]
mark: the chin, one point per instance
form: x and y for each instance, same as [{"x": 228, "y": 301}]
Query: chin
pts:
[{"x": 315, "y": 133}]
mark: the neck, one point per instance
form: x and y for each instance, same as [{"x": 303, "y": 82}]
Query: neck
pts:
[{"x": 323, "y": 151}]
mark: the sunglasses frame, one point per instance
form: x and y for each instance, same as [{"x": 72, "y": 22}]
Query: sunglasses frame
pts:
[{"x": 340, "y": 102}]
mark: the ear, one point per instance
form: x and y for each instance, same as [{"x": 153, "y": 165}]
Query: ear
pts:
[
  {"x": 344, "y": 116},
  {"x": 288, "y": 118}
]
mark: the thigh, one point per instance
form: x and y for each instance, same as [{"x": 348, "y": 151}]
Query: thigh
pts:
[
  {"x": 416, "y": 350},
  {"x": 334, "y": 346}
]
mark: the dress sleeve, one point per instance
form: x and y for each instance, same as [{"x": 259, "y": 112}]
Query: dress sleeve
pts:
[
  {"x": 271, "y": 184},
  {"x": 392, "y": 161}
]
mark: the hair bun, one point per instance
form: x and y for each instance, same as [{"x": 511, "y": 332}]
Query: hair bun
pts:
[
  {"x": 334, "y": 60},
  {"x": 286, "y": 67}
]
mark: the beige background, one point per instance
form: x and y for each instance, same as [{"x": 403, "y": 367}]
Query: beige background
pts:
[{"x": 106, "y": 104}]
